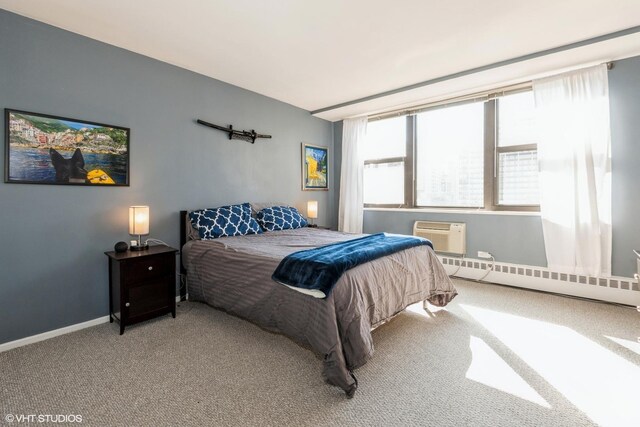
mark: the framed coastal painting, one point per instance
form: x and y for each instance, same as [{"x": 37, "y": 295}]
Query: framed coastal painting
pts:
[
  {"x": 44, "y": 149},
  {"x": 315, "y": 167}
]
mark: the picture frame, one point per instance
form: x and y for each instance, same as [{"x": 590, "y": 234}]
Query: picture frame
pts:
[
  {"x": 53, "y": 150},
  {"x": 315, "y": 168}
]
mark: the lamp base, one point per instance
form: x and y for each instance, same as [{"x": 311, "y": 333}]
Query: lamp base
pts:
[{"x": 139, "y": 248}]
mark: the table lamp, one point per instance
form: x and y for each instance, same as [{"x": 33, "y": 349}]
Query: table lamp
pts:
[
  {"x": 312, "y": 209},
  {"x": 139, "y": 225}
]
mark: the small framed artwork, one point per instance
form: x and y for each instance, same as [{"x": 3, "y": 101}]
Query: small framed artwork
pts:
[
  {"x": 44, "y": 149},
  {"x": 315, "y": 167}
]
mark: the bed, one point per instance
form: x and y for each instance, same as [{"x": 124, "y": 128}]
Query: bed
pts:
[{"x": 234, "y": 274}]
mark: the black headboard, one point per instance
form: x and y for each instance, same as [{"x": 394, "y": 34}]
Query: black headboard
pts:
[{"x": 183, "y": 240}]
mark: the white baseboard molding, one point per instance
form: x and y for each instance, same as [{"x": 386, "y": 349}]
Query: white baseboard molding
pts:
[
  {"x": 50, "y": 334},
  {"x": 57, "y": 332},
  {"x": 621, "y": 290}
]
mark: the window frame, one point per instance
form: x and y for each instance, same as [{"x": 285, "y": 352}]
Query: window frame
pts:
[
  {"x": 415, "y": 166},
  {"x": 491, "y": 174},
  {"x": 497, "y": 150},
  {"x": 408, "y": 161}
]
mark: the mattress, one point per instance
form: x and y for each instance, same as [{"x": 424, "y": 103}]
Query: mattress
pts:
[{"x": 234, "y": 274}]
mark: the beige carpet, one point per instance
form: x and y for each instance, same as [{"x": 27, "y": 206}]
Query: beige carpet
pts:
[{"x": 471, "y": 364}]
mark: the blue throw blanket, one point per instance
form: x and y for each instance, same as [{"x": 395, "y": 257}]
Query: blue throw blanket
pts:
[{"x": 321, "y": 268}]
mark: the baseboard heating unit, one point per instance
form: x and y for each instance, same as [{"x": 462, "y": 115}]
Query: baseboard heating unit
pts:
[{"x": 622, "y": 290}]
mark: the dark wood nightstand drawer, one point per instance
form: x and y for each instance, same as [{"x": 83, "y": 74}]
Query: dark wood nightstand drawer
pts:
[
  {"x": 147, "y": 268},
  {"x": 148, "y": 298}
]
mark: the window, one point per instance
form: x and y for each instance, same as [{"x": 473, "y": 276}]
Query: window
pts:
[
  {"x": 517, "y": 160},
  {"x": 480, "y": 153},
  {"x": 385, "y": 160},
  {"x": 450, "y": 156}
]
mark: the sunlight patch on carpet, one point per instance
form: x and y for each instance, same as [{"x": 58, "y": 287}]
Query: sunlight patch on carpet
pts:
[
  {"x": 488, "y": 368},
  {"x": 597, "y": 381}
]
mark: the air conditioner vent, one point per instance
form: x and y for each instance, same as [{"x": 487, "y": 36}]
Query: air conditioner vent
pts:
[{"x": 447, "y": 237}]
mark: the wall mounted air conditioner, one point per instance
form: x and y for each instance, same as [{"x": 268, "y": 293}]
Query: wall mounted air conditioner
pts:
[{"x": 448, "y": 237}]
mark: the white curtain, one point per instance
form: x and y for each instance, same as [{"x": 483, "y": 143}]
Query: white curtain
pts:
[
  {"x": 350, "y": 210},
  {"x": 575, "y": 170}
]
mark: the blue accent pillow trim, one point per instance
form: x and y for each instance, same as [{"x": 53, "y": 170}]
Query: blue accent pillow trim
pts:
[
  {"x": 224, "y": 221},
  {"x": 280, "y": 218}
]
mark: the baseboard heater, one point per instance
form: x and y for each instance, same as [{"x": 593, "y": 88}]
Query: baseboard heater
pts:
[
  {"x": 447, "y": 237},
  {"x": 622, "y": 290}
]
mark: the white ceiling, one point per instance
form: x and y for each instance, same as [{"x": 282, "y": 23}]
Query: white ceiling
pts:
[{"x": 317, "y": 54}]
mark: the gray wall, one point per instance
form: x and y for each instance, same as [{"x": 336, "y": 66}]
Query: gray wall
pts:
[
  {"x": 624, "y": 93},
  {"x": 518, "y": 239},
  {"x": 53, "y": 272}
]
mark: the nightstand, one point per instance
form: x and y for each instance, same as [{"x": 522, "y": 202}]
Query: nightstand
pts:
[{"x": 142, "y": 284}]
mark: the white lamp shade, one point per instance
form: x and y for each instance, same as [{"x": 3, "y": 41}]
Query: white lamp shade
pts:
[
  {"x": 138, "y": 220},
  {"x": 312, "y": 209}
]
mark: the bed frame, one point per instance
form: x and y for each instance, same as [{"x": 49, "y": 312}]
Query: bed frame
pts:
[{"x": 183, "y": 271}]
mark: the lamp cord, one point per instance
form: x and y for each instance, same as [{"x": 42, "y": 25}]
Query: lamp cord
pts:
[{"x": 158, "y": 241}]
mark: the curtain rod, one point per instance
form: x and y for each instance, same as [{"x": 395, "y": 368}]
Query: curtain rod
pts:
[{"x": 474, "y": 97}]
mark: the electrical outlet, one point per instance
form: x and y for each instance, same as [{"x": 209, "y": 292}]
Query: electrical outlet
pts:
[{"x": 485, "y": 255}]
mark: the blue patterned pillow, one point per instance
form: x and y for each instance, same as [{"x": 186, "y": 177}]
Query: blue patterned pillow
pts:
[
  {"x": 233, "y": 220},
  {"x": 280, "y": 218}
]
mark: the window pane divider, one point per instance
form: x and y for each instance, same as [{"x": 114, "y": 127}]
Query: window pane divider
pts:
[
  {"x": 490, "y": 125},
  {"x": 410, "y": 163}
]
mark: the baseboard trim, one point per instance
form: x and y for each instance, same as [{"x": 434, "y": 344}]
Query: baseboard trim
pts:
[
  {"x": 621, "y": 290},
  {"x": 57, "y": 332},
  {"x": 50, "y": 334}
]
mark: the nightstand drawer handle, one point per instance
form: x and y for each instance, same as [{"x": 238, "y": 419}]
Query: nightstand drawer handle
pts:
[
  {"x": 126, "y": 305},
  {"x": 150, "y": 267}
]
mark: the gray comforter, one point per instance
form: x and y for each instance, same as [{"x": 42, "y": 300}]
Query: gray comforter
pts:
[{"x": 234, "y": 274}]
